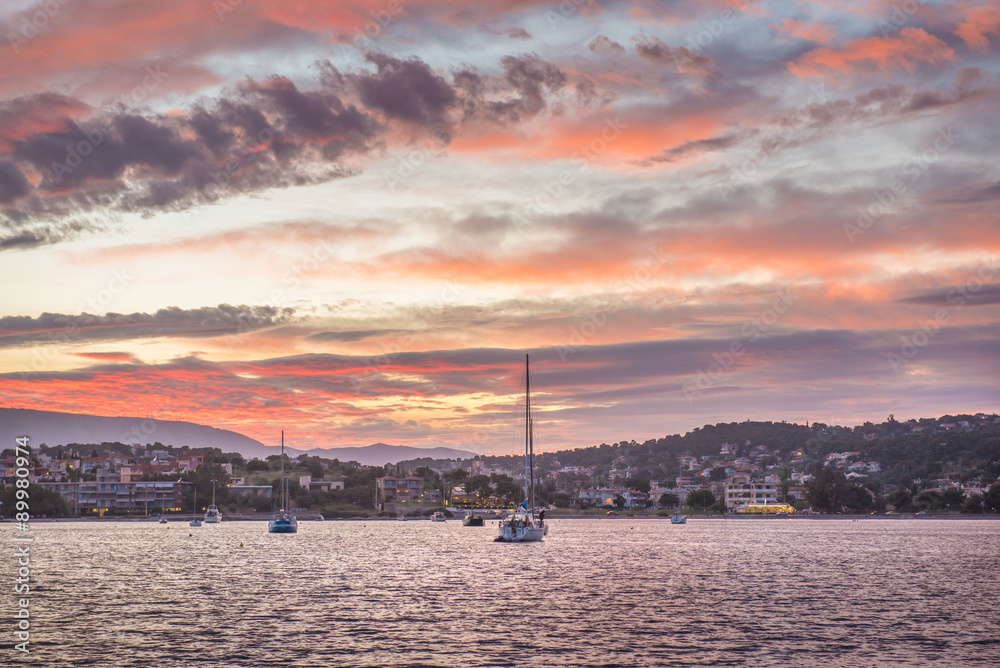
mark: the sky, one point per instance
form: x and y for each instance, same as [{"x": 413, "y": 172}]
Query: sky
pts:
[{"x": 353, "y": 220}]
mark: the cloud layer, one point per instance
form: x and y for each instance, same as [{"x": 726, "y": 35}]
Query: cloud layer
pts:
[{"x": 357, "y": 218}]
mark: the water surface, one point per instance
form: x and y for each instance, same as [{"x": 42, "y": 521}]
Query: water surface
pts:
[{"x": 609, "y": 592}]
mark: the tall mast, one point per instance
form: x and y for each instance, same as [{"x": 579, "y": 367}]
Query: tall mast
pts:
[
  {"x": 529, "y": 460},
  {"x": 281, "y": 485}
]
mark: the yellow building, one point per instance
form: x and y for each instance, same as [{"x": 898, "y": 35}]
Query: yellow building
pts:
[{"x": 767, "y": 508}]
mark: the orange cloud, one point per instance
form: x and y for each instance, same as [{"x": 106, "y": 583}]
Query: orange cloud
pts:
[
  {"x": 979, "y": 22},
  {"x": 912, "y": 46},
  {"x": 813, "y": 31}
]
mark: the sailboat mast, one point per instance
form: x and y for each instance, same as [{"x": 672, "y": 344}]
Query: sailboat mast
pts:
[
  {"x": 281, "y": 485},
  {"x": 529, "y": 460}
]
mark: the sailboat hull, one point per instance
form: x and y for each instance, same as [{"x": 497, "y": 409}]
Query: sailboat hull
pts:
[
  {"x": 521, "y": 529},
  {"x": 522, "y": 535},
  {"x": 279, "y": 526}
]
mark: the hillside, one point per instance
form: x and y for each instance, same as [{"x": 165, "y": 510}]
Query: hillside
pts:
[
  {"x": 379, "y": 454},
  {"x": 54, "y": 428}
]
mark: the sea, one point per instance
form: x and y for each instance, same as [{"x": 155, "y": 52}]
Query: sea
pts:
[{"x": 616, "y": 591}]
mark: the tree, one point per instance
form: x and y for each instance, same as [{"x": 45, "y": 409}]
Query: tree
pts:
[
  {"x": 639, "y": 484},
  {"x": 830, "y": 491},
  {"x": 701, "y": 497},
  {"x": 784, "y": 480},
  {"x": 952, "y": 497},
  {"x": 668, "y": 500},
  {"x": 992, "y": 497},
  {"x": 974, "y": 504},
  {"x": 41, "y": 501},
  {"x": 256, "y": 465},
  {"x": 900, "y": 499},
  {"x": 315, "y": 468},
  {"x": 479, "y": 484}
]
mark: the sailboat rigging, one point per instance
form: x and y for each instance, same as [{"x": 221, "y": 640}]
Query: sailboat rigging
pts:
[
  {"x": 282, "y": 520},
  {"x": 523, "y": 525},
  {"x": 212, "y": 515},
  {"x": 195, "y": 522}
]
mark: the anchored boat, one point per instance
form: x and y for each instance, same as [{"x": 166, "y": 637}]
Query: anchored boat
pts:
[
  {"x": 282, "y": 520},
  {"x": 212, "y": 515},
  {"x": 522, "y": 525}
]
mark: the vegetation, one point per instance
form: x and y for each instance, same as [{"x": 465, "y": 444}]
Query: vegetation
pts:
[{"x": 914, "y": 458}]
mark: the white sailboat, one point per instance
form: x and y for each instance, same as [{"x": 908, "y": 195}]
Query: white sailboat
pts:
[
  {"x": 212, "y": 515},
  {"x": 195, "y": 522},
  {"x": 522, "y": 525},
  {"x": 282, "y": 520}
]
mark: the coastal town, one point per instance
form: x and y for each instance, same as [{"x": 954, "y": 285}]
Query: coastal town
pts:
[{"x": 784, "y": 468}]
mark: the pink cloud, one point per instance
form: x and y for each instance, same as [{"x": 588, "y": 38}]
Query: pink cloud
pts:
[
  {"x": 905, "y": 51},
  {"x": 812, "y": 31},
  {"x": 979, "y": 22}
]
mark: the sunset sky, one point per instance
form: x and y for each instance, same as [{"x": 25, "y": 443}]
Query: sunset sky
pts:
[{"x": 351, "y": 220}]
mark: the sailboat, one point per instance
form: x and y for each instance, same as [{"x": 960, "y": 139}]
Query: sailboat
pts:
[
  {"x": 522, "y": 525},
  {"x": 282, "y": 521},
  {"x": 195, "y": 522},
  {"x": 212, "y": 515}
]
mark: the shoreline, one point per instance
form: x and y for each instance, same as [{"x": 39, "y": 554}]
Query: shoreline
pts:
[{"x": 734, "y": 517}]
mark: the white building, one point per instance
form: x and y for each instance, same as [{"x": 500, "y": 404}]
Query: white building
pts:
[{"x": 742, "y": 492}]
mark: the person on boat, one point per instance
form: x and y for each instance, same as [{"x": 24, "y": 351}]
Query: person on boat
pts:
[{"x": 541, "y": 515}]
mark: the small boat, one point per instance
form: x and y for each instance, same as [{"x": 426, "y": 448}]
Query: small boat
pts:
[
  {"x": 522, "y": 525},
  {"x": 163, "y": 520},
  {"x": 401, "y": 518},
  {"x": 212, "y": 515},
  {"x": 282, "y": 521},
  {"x": 438, "y": 516},
  {"x": 473, "y": 520},
  {"x": 678, "y": 519},
  {"x": 319, "y": 518},
  {"x": 195, "y": 522},
  {"x": 781, "y": 514}
]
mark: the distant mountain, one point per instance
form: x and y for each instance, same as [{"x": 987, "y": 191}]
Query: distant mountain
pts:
[
  {"x": 382, "y": 453},
  {"x": 63, "y": 428},
  {"x": 54, "y": 428}
]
